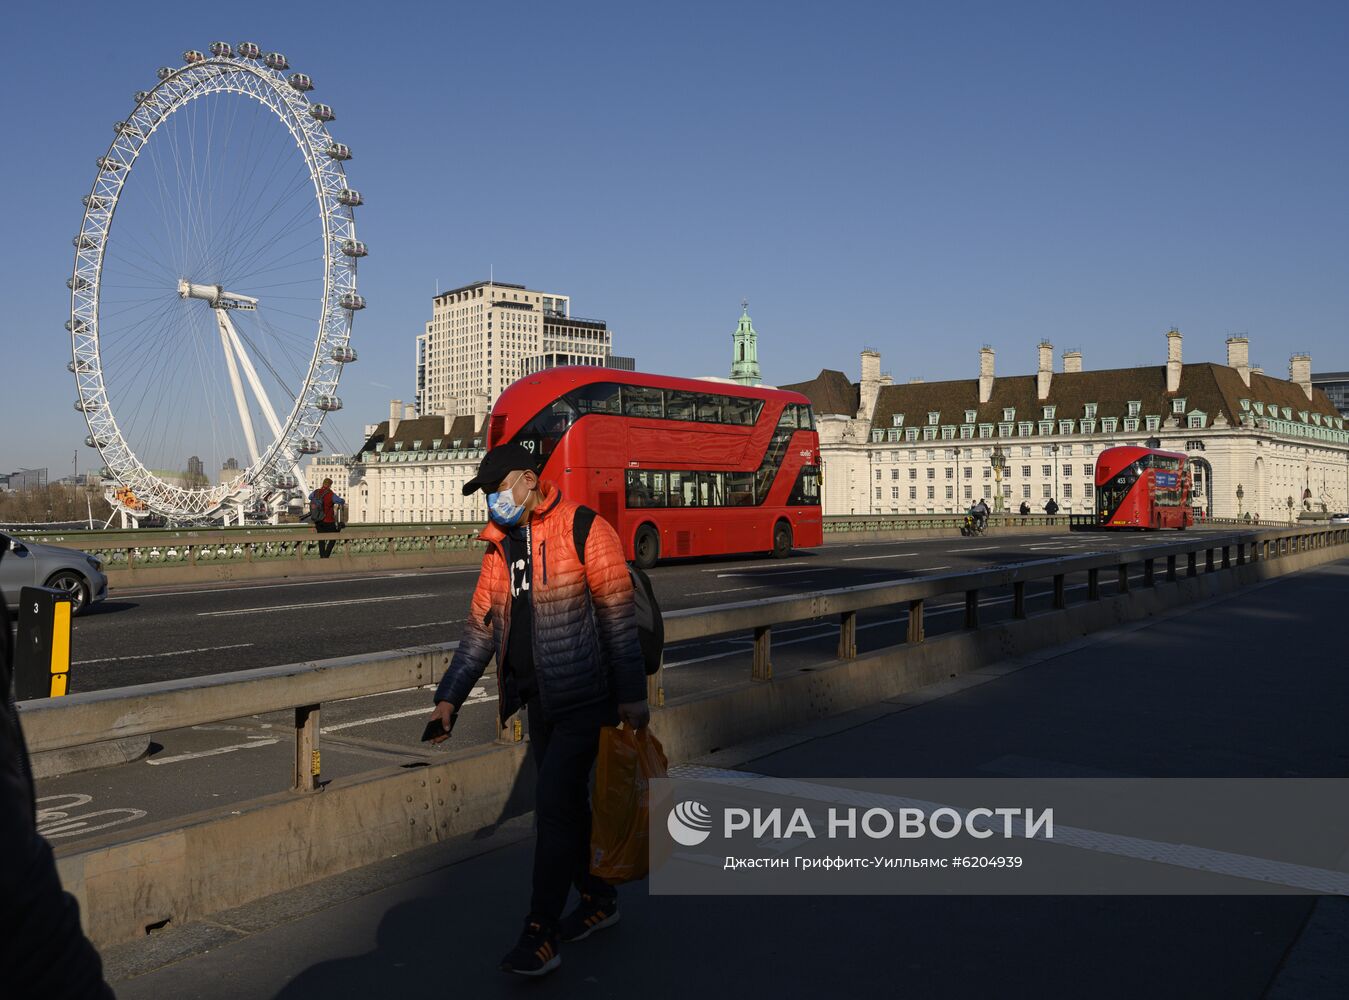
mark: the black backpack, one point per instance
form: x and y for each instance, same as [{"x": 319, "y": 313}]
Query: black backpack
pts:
[{"x": 650, "y": 624}]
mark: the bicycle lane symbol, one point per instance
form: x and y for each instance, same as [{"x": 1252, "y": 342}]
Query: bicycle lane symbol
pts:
[{"x": 55, "y": 819}]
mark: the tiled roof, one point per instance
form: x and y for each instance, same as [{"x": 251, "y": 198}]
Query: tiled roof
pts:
[
  {"x": 425, "y": 430},
  {"x": 1207, "y": 387},
  {"x": 829, "y": 392}
]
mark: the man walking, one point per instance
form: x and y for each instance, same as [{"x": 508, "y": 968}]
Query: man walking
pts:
[
  {"x": 554, "y": 603},
  {"x": 323, "y": 504}
]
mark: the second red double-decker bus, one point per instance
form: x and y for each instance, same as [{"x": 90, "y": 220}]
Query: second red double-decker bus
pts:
[
  {"x": 1142, "y": 488},
  {"x": 680, "y": 467}
]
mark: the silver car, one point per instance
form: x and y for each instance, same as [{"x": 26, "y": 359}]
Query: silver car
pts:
[{"x": 29, "y": 564}]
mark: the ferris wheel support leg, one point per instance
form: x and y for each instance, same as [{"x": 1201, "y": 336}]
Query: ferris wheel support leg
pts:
[
  {"x": 250, "y": 373},
  {"x": 240, "y": 403}
]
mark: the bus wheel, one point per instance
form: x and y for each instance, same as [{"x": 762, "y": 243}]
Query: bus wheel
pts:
[
  {"x": 646, "y": 547},
  {"x": 782, "y": 540}
]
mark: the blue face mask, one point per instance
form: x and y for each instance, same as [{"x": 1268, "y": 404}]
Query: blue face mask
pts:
[{"x": 502, "y": 508}]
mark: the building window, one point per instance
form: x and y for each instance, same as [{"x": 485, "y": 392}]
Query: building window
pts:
[
  {"x": 1009, "y": 413},
  {"x": 1134, "y": 407},
  {"x": 896, "y": 420},
  {"x": 948, "y": 433},
  {"x": 1067, "y": 491},
  {"x": 985, "y": 430},
  {"x": 987, "y": 472},
  {"x": 1024, "y": 428},
  {"x": 878, "y": 473},
  {"x": 1109, "y": 424},
  {"x": 894, "y": 492},
  {"x": 970, "y": 416},
  {"x": 950, "y": 473},
  {"x": 1025, "y": 451},
  {"x": 1178, "y": 405},
  {"x": 913, "y": 473},
  {"x": 877, "y": 436},
  {"x": 1065, "y": 426},
  {"x": 931, "y": 473},
  {"x": 1067, "y": 449},
  {"x": 933, "y": 417},
  {"x": 1044, "y": 491},
  {"x": 1130, "y": 424},
  {"x": 1089, "y": 469},
  {"x": 1046, "y": 470},
  {"x": 1049, "y": 413},
  {"x": 913, "y": 492},
  {"x": 1088, "y": 491},
  {"x": 1046, "y": 427},
  {"x": 1025, "y": 471},
  {"x": 929, "y": 433},
  {"x": 878, "y": 492},
  {"x": 966, "y": 432},
  {"x": 1153, "y": 423},
  {"x": 1196, "y": 420},
  {"x": 1025, "y": 491},
  {"x": 1067, "y": 471},
  {"x": 969, "y": 492},
  {"x": 931, "y": 492},
  {"x": 1004, "y": 430},
  {"x": 1089, "y": 411},
  {"x": 1194, "y": 445},
  {"x": 1088, "y": 426},
  {"x": 950, "y": 492}
]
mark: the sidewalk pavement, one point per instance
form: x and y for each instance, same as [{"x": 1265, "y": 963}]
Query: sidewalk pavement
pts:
[{"x": 1252, "y": 685}]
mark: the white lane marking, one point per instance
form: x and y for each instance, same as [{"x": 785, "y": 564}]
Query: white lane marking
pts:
[
  {"x": 55, "y": 821},
  {"x": 314, "y": 604},
  {"x": 303, "y": 583},
  {"x": 889, "y": 555},
  {"x": 253, "y": 741},
  {"x": 760, "y": 566},
  {"x": 930, "y": 569},
  {"x": 982, "y": 548},
  {"x": 151, "y": 656},
  {"x": 453, "y": 621},
  {"x": 728, "y": 590},
  {"x": 760, "y": 576},
  {"x": 479, "y": 696},
  {"x": 385, "y": 694}
]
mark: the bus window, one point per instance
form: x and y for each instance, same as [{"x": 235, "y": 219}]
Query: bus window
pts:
[
  {"x": 742, "y": 412},
  {"x": 680, "y": 405},
  {"x": 683, "y": 489},
  {"x": 807, "y": 488},
  {"x": 740, "y": 489},
  {"x": 788, "y": 418},
  {"x": 642, "y": 401},
  {"x": 711, "y": 489},
  {"x": 709, "y": 409},
  {"x": 600, "y": 397},
  {"x": 542, "y": 434},
  {"x": 645, "y": 489}
]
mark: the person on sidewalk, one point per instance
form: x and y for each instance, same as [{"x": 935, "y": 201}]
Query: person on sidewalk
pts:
[
  {"x": 1025, "y": 508},
  {"x": 323, "y": 504},
  {"x": 562, "y": 625},
  {"x": 43, "y": 951},
  {"x": 1051, "y": 507}
]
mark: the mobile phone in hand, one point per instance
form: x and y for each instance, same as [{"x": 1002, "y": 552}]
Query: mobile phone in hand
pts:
[{"x": 436, "y": 728}]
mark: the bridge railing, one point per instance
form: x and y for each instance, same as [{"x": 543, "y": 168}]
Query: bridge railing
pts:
[{"x": 303, "y": 688}]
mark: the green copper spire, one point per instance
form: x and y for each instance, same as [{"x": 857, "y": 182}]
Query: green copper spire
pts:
[{"x": 745, "y": 350}]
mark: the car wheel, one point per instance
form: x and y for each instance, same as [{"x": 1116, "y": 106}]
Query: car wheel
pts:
[
  {"x": 646, "y": 547},
  {"x": 73, "y": 584},
  {"x": 782, "y": 540}
]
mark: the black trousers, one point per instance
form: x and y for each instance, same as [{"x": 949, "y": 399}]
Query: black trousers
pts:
[
  {"x": 564, "y": 749},
  {"x": 326, "y": 528}
]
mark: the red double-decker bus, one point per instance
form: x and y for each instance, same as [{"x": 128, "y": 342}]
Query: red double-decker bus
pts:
[
  {"x": 680, "y": 467},
  {"x": 1142, "y": 488}
]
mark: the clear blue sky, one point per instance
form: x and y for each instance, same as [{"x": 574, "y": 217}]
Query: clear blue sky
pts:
[{"x": 920, "y": 178}]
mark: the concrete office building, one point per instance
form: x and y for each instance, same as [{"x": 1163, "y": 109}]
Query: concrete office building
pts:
[
  {"x": 484, "y": 336},
  {"x": 1256, "y": 444},
  {"x": 1336, "y": 387}
]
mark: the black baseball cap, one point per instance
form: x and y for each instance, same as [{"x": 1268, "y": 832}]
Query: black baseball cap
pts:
[{"x": 499, "y": 463}]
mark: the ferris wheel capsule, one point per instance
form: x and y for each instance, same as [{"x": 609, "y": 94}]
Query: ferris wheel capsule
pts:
[
  {"x": 221, "y": 50},
  {"x": 339, "y": 151},
  {"x": 192, "y": 56},
  {"x": 285, "y": 482},
  {"x": 85, "y": 405},
  {"x": 354, "y": 248},
  {"x": 93, "y": 442},
  {"x": 322, "y": 112},
  {"x": 301, "y": 82},
  {"x": 344, "y": 355},
  {"x": 94, "y": 201},
  {"x": 141, "y": 96},
  {"x": 110, "y": 163},
  {"x": 328, "y": 403},
  {"x": 352, "y": 301},
  {"x": 309, "y": 446},
  {"x": 84, "y": 242},
  {"x": 350, "y": 197},
  {"x": 76, "y": 326},
  {"x": 165, "y": 72},
  {"x": 77, "y": 284},
  {"x": 276, "y": 61},
  {"x": 127, "y": 128},
  {"x": 249, "y": 50}
]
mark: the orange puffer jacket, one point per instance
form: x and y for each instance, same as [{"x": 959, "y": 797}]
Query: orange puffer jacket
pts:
[{"x": 585, "y": 628}]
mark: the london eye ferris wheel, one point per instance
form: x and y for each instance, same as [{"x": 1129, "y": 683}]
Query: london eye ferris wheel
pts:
[{"x": 214, "y": 286}]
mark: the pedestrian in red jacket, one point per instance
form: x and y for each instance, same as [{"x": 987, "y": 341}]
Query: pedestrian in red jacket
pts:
[{"x": 562, "y": 626}]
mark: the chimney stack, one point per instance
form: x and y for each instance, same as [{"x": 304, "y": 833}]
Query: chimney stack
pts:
[
  {"x": 447, "y": 416},
  {"x": 480, "y": 410},
  {"x": 1257, "y": 370},
  {"x": 1239, "y": 357},
  {"x": 395, "y": 411},
  {"x": 1300, "y": 372},
  {"x": 871, "y": 383},
  {"x": 409, "y": 411},
  {"x": 985, "y": 374},
  {"x": 1072, "y": 362},
  {"x": 1173, "y": 363},
  {"x": 1045, "y": 374}
]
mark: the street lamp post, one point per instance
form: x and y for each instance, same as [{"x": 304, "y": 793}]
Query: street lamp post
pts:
[
  {"x": 1054, "y": 450},
  {"x": 1240, "y": 495},
  {"x": 999, "y": 462},
  {"x": 958, "y": 506},
  {"x": 1290, "y": 510}
]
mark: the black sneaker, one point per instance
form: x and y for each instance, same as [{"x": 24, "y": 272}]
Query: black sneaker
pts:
[
  {"x": 537, "y": 953},
  {"x": 591, "y": 914}
]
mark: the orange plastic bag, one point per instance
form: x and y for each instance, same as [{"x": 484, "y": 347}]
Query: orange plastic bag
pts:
[{"x": 621, "y": 806}]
